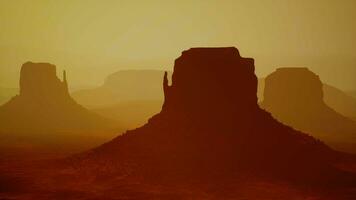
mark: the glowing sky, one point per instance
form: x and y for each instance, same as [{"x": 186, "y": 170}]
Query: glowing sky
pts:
[{"x": 92, "y": 39}]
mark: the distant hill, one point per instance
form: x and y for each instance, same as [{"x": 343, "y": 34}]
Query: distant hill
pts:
[
  {"x": 123, "y": 86},
  {"x": 295, "y": 96},
  {"x": 44, "y": 110}
]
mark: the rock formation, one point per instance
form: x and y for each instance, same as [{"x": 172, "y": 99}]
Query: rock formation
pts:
[
  {"x": 295, "y": 97},
  {"x": 40, "y": 81},
  {"x": 338, "y": 100},
  {"x": 211, "y": 126},
  {"x": 44, "y": 105}
]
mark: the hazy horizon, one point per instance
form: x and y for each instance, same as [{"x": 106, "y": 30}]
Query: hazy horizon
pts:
[
  {"x": 160, "y": 100},
  {"x": 91, "y": 39}
]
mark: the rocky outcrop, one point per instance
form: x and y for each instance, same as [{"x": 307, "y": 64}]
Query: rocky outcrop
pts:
[
  {"x": 295, "y": 97},
  {"x": 211, "y": 126},
  {"x": 45, "y": 106}
]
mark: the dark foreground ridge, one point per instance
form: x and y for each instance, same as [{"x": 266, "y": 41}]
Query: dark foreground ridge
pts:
[
  {"x": 45, "y": 106},
  {"x": 211, "y": 127},
  {"x": 295, "y": 97}
]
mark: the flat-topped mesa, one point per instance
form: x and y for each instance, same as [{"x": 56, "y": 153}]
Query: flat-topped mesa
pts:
[
  {"x": 39, "y": 80},
  {"x": 300, "y": 86},
  {"x": 211, "y": 80},
  {"x": 294, "y": 96}
]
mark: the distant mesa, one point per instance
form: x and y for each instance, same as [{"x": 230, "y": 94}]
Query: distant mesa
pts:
[
  {"x": 302, "y": 87},
  {"x": 295, "y": 97},
  {"x": 211, "y": 126},
  {"x": 40, "y": 81},
  {"x": 340, "y": 101},
  {"x": 123, "y": 86},
  {"x": 128, "y": 96},
  {"x": 44, "y": 105}
]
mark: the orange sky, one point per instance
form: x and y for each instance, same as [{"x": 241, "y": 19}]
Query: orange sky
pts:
[{"x": 92, "y": 39}]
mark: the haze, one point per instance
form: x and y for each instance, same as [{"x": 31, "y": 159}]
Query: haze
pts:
[{"x": 92, "y": 39}]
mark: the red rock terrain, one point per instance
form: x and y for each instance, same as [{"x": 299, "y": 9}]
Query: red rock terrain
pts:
[{"x": 210, "y": 141}]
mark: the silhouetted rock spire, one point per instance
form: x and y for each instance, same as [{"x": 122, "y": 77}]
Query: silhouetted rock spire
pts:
[
  {"x": 165, "y": 85},
  {"x": 65, "y": 83}
]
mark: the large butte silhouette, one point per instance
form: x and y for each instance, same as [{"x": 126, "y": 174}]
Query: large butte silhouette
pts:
[
  {"x": 295, "y": 97},
  {"x": 45, "y": 106},
  {"x": 211, "y": 127}
]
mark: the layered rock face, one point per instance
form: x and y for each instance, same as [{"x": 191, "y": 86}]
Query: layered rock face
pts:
[
  {"x": 295, "y": 97},
  {"x": 44, "y": 105},
  {"x": 211, "y": 126}
]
